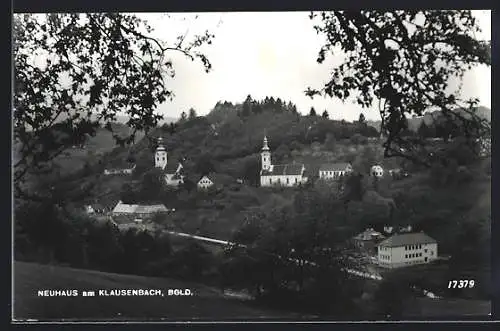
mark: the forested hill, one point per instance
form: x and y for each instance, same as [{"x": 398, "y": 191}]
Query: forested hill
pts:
[
  {"x": 234, "y": 133},
  {"x": 415, "y": 122}
]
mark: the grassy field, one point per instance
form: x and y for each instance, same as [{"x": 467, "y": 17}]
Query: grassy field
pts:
[
  {"x": 430, "y": 308},
  {"x": 205, "y": 304}
]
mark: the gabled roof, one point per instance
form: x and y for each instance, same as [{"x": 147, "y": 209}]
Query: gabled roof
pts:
[
  {"x": 334, "y": 166},
  {"x": 405, "y": 239},
  {"x": 293, "y": 169},
  {"x": 138, "y": 209}
]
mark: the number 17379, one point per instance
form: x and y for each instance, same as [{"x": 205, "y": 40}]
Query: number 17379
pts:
[{"x": 462, "y": 283}]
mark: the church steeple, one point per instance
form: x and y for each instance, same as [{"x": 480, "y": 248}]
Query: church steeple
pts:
[
  {"x": 265, "y": 147},
  {"x": 265, "y": 155},
  {"x": 160, "y": 155}
]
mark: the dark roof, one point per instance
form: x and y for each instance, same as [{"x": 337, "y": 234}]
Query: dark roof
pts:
[
  {"x": 285, "y": 170},
  {"x": 404, "y": 239},
  {"x": 334, "y": 166}
]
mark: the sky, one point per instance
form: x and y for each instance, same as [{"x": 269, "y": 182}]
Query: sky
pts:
[{"x": 269, "y": 54}]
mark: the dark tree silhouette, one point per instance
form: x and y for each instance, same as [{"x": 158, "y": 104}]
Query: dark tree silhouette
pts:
[
  {"x": 107, "y": 57},
  {"x": 192, "y": 114},
  {"x": 403, "y": 61}
]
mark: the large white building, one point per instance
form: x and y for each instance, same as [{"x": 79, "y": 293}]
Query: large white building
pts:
[
  {"x": 173, "y": 173},
  {"x": 279, "y": 174},
  {"x": 334, "y": 170},
  {"x": 406, "y": 249}
]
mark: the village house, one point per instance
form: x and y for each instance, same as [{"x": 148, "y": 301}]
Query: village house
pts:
[
  {"x": 334, "y": 170},
  {"x": 288, "y": 175},
  {"x": 126, "y": 170},
  {"x": 404, "y": 249},
  {"x": 173, "y": 173},
  {"x": 377, "y": 171},
  {"x": 205, "y": 183},
  {"x": 138, "y": 211},
  {"x": 367, "y": 240},
  {"x": 213, "y": 181}
]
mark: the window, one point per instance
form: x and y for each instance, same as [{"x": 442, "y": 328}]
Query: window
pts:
[
  {"x": 288, "y": 181},
  {"x": 425, "y": 250},
  {"x": 406, "y": 256},
  {"x": 295, "y": 180}
]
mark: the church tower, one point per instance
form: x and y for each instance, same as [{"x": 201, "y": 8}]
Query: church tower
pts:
[
  {"x": 160, "y": 155},
  {"x": 265, "y": 156}
]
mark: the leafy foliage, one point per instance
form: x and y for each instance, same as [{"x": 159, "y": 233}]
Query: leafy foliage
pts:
[
  {"x": 404, "y": 60},
  {"x": 76, "y": 72}
]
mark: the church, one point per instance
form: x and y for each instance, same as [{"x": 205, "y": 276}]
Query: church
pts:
[
  {"x": 173, "y": 173},
  {"x": 288, "y": 175}
]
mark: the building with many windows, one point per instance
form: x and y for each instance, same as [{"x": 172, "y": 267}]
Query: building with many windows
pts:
[
  {"x": 334, "y": 171},
  {"x": 404, "y": 249}
]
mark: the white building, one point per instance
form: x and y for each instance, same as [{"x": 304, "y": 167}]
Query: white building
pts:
[
  {"x": 406, "y": 249},
  {"x": 334, "y": 171},
  {"x": 214, "y": 180},
  {"x": 377, "y": 171},
  {"x": 279, "y": 174},
  {"x": 173, "y": 174},
  {"x": 205, "y": 183}
]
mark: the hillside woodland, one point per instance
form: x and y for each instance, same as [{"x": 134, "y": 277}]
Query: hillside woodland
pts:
[{"x": 450, "y": 201}]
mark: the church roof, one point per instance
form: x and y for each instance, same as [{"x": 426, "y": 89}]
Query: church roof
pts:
[
  {"x": 294, "y": 169},
  {"x": 334, "y": 166}
]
